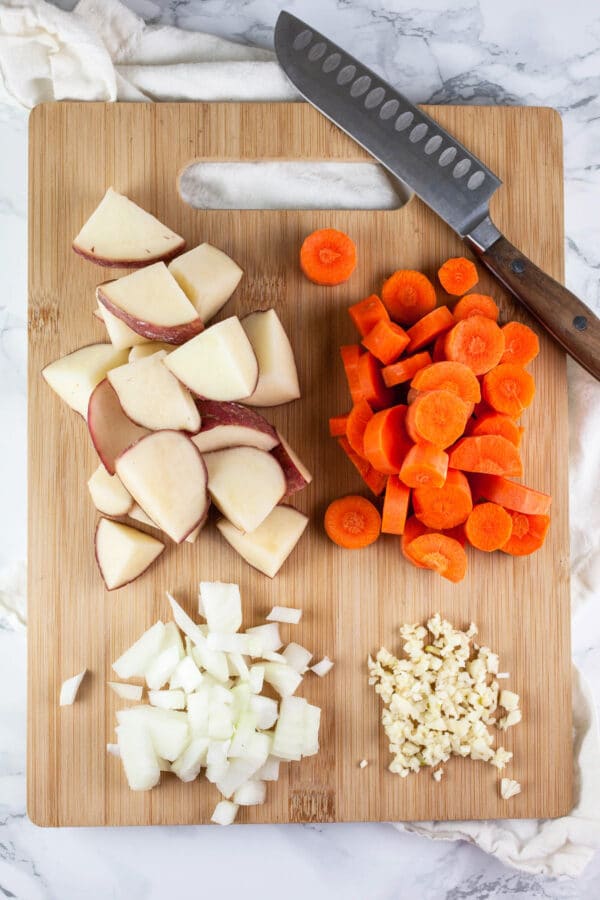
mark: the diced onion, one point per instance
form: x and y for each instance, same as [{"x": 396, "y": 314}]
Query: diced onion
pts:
[
  {"x": 323, "y": 667},
  {"x": 268, "y": 635},
  {"x": 69, "y": 688},
  {"x": 186, "y": 675},
  {"x": 222, "y": 606},
  {"x": 298, "y": 657},
  {"x": 134, "y": 662},
  {"x": 224, "y": 813},
  {"x": 127, "y": 691},
  {"x": 286, "y": 614},
  {"x": 167, "y": 699},
  {"x": 253, "y": 793},
  {"x": 282, "y": 677},
  {"x": 113, "y": 749}
]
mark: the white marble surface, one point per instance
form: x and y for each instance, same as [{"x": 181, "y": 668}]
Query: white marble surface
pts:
[{"x": 515, "y": 51}]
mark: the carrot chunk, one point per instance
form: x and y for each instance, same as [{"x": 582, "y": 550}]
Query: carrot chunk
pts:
[
  {"x": 438, "y": 354},
  {"x": 351, "y": 354},
  {"x": 458, "y": 275},
  {"x": 358, "y": 419},
  {"x": 477, "y": 342},
  {"x": 395, "y": 506},
  {"x": 528, "y": 533},
  {"x": 449, "y": 376},
  {"x": 405, "y": 369},
  {"x": 521, "y": 344},
  {"x": 337, "y": 425},
  {"x": 352, "y": 522},
  {"x": 511, "y": 495},
  {"x": 386, "y": 442},
  {"x": 438, "y": 417},
  {"x": 424, "y": 464},
  {"x": 427, "y": 329},
  {"x": 408, "y": 295},
  {"x": 444, "y": 507},
  {"x": 508, "y": 389},
  {"x": 386, "y": 341},
  {"x": 367, "y": 313},
  {"x": 412, "y": 529},
  {"x": 328, "y": 256},
  {"x": 441, "y": 553},
  {"x": 488, "y": 527},
  {"x": 458, "y": 533},
  {"x": 490, "y": 454},
  {"x": 374, "y": 480},
  {"x": 497, "y": 423},
  {"x": 372, "y": 385},
  {"x": 476, "y": 305}
]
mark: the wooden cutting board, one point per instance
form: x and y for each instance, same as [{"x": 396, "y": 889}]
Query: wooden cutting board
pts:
[{"x": 353, "y": 602}]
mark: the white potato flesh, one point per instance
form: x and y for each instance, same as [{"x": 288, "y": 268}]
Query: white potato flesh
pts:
[
  {"x": 224, "y": 813},
  {"x": 166, "y": 476},
  {"x": 218, "y": 364},
  {"x": 222, "y": 605},
  {"x": 110, "y": 429},
  {"x": 288, "y": 741},
  {"x": 296, "y": 474},
  {"x": 152, "y": 397},
  {"x": 169, "y": 729},
  {"x": 245, "y": 484},
  {"x": 126, "y": 691},
  {"x": 123, "y": 553},
  {"x": 69, "y": 688},
  {"x": 282, "y": 678},
  {"x": 139, "y": 758},
  {"x": 121, "y": 233},
  {"x": 277, "y": 374},
  {"x": 108, "y": 494},
  {"x": 208, "y": 277},
  {"x": 269, "y": 545},
  {"x": 298, "y": 657},
  {"x": 121, "y": 336},
  {"x": 167, "y": 699},
  {"x": 253, "y": 793},
  {"x": 136, "y": 659},
  {"x": 187, "y": 766},
  {"x": 147, "y": 348},
  {"x": 74, "y": 377},
  {"x": 232, "y": 425},
  {"x": 138, "y": 515}
]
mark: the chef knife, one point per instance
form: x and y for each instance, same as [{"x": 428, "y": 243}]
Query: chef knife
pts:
[{"x": 444, "y": 174}]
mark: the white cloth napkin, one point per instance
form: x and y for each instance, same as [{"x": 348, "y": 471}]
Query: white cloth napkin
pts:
[{"x": 103, "y": 51}]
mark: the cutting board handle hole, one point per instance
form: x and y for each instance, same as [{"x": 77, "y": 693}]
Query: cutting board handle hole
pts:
[{"x": 302, "y": 184}]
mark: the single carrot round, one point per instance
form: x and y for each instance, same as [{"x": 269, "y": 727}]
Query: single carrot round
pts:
[
  {"x": 508, "y": 389},
  {"x": 386, "y": 341},
  {"x": 449, "y": 376},
  {"x": 476, "y": 305},
  {"x": 337, "y": 425},
  {"x": 328, "y": 257},
  {"x": 427, "y": 329},
  {"x": 444, "y": 507},
  {"x": 405, "y": 369},
  {"x": 352, "y": 522},
  {"x": 351, "y": 354},
  {"x": 371, "y": 381},
  {"x": 424, "y": 464},
  {"x": 386, "y": 442},
  {"x": 521, "y": 344},
  {"x": 412, "y": 529},
  {"x": 375, "y": 481},
  {"x": 408, "y": 295},
  {"x": 477, "y": 342},
  {"x": 458, "y": 275},
  {"x": 511, "y": 495},
  {"x": 528, "y": 533},
  {"x": 438, "y": 417},
  {"x": 395, "y": 506},
  {"x": 358, "y": 419},
  {"x": 488, "y": 527},
  {"x": 490, "y": 454},
  {"x": 496, "y": 423},
  {"x": 441, "y": 553},
  {"x": 367, "y": 313}
]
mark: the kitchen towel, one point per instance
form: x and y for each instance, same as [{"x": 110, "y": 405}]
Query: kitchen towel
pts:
[{"x": 103, "y": 51}]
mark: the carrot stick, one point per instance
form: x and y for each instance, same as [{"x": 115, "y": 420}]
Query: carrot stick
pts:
[
  {"x": 444, "y": 507},
  {"x": 441, "y": 553},
  {"x": 521, "y": 344},
  {"x": 449, "y": 376},
  {"x": 490, "y": 454},
  {"x": 427, "y": 329},
  {"x": 358, "y": 420},
  {"x": 438, "y": 417},
  {"x": 328, "y": 256},
  {"x": 528, "y": 533},
  {"x": 477, "y": 342},
  {"x": 458, "y": 275},
  {"x": 367, "y": 313},
  {"x": 386, "y": 442},
  {"x": 496, "y": 423},
  {"x": 511, "y": 495},
  {"x": 476, "y": 305},
  {"x": 337, "y": 425},
  {"x": 372, "y": 386},
  {"x": 395, "y": 506},
  {"x": 408, "y": 295},
  {"x": 405, "y": 369},
  {"x": 352, "y": 522},
  {"x": 508, "y": 389},
  {"x": 424, "y": 464},
  {"x": 438, "y": 354},
  {"x": 386, "y": 341},
  {"x": 351, "y": 354},
  {"x": 488, "y": 527},
  {"x": 374, "y": 480}
]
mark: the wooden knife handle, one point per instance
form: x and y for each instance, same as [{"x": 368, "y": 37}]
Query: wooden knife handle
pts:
[{"x": 569, "y": 321}]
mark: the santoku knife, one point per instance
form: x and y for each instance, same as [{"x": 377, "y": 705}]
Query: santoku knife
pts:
[{"x": 443, "y": 173}]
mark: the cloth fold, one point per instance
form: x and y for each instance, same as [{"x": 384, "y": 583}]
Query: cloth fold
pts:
[{"x": 104, "y": 51}]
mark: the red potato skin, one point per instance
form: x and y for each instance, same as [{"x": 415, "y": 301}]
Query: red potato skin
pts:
[
  {"x": 215, "y": 413},
  {"x": 128, "y": 263},
  {"x": 170, "y": 334},
  {"x": 294, "y": 478},
  {"x": 104, "y": 412},
  {"x": 125, "y": 583}
]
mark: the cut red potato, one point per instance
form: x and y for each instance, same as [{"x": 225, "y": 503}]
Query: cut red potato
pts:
[
  {"x": 121, "y": 336},
  {"x": 108, "y": 494},
  {"x": 123, "y": 553},
  {"x": 138, "y": 515},
  {"x": 110, "y": 429},
  {"x": 268, "y": 547},
  {"x": 74, "y": 377},
  {"x": 232, "y": 425},
  {"x": 296, "y": 474},
  {"x": 218, "y": 364},
  {"x": 245, "y": 484},
  {"x": 152, "y": 397},
  {"x": 165, "y": 475},
  {"x": 148, "y": 348},
  {"x": 208, "y": 277},
  {"x": 152, "y": 304},
  {"x": 121, "y": 233},
  {"x": 277, "y": 375}
]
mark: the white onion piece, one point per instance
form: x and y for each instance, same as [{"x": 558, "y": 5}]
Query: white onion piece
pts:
[
  {"x": 323, "y": 667},
  {"x": 269, "y": 656},
  {"x": 298, "y": 657},
  {"x": 244, "y": 732},
  {"x": 256, "y": 678},
  {"x": 185, "y": 623},
  {"x": 222, "y": 606},
  {"x": 238, "y": 666},
  {"x": 217, "y": 752},
  {"x": 288, "y": 741},
  {"x": 127, "y": 691},
  {"x": 243, "y": 768},
  {"x": 282, "y": 677},
  {"x": 187, "y": 766},
  {"x": 241, "y": 695},
  {"x": 167, "y": 699},
  {"x": 266, "y": 711},
  {"x": 138, "y": 756},
  {"x": 214, "y": 661},
  {"x": 113, "y": 749},
  {"x": 136, "y": 659},
  {"x": 268, "y": 636},
  {"x": 186, "y": 675},
  {"x": 253, "y": 793},
  {"x": 286, "y": 614},
  {"x": 312, "y": 720},
  {"x": 245, "y": 644},
  {"x": 168, "y": 729},
  {"x": 198, "y": 705},
  {"x": 69, "y": 688},
  {"x": 220, "y": 719},
  {"x": 224, "y": 813},
  {"x": 161, "y": 669},
  {"x": 270, "y": 770}
]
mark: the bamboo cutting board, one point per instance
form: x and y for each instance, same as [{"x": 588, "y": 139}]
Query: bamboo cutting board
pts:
[{"x": 353, "y": 602}]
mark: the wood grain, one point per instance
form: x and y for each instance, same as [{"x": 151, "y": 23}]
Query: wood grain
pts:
[{"x": 353, "y": 602}]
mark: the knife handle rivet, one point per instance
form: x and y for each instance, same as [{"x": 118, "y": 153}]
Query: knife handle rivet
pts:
[
  {"x": 580, "y": 323},
  {"x": 518, "y": 266}
]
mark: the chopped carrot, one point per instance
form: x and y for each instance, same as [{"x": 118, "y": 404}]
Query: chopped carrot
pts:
[
  {"x": 490, "y": 454},
  {"x": 458, "y": 275},
  {"x": 427, "y": 329},
  {"x": 395, "y": 506},
  {"x": 476, "y": 305},
  {"x": 458, "y": 533},
  {"x": 508, "y": 389},
  {"x": 412, "y": 529},
  {"x": 496, "y": 423},
  {"x": 528, "y": 533},
  {"x": 386, "y": 442},
  {"x": 367, "y": 313},
  {"x": 424, "y": 464},
  {"x": 371, "y": 382},
  {"x": 522, "y": 344},
  {"x": 511, "y": 495},
  {"x": 444, "y": 507},
  {"x": 405, "y": 369},
  {"x": 351, "y": 354},
  {"x": 387, "y": 341},
  {"x": 438, "y": 354},
  {"x": 449, "y": 376},
  {"x": 488, "y": 527},
  {"x": 441, "y": 553},
  {"x": 337, "y": 425},
  {"x": 328, "y": 256},
  {"x": 408, "y": 295},
  {"x": 374, "y": 480},
  {"x": 352, "y": 522},
  {"x": 358, "y": 419},
  {"x": 477, "y": 342},
  {"x": 438, "y": 417}
]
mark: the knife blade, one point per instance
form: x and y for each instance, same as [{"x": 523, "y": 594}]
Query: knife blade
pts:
[{"x": 450, "y": 179}]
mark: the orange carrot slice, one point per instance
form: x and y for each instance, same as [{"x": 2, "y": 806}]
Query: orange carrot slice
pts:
[
  {"x": 458, "y": 533},
  {"x": 395, "y": 506},
  {"x": 408, "y": 295},
  {"x": 351, "y": 354},
  {"x": 328, "y": 256},
  {"x": 405, "y": 369},
  {"x": 444, "y": 507},
  {"x": 477, "y": 342},
  {"x": 496, "y": 423},
  {"x": 424, "y": 464},
  {"x": 412, "y": 529},
  {"x": 427, "y": 329},
  {"x": 511, "y": 495},
  {"x": 352, "y": 522},
  {"x": 438, "y": 354},
  {"x": 488, "y": 527},
  {"x": 476, "y": 305},
  {"x": 386, "y": 442},
  {"x": 374, "y": 480},
  {"x": 438, "y": 417},
  {"x": 386, "y": 341},
  {"x": 367, "y": 313},
  {"x": 521, "y": 344},
  {"x": 449, "y": 376},
  {"x": 458, "y": 275},
  {"x": 528, "y": 533},
  {"x": 508, "y": 389},
  {"x": 441, "y": 553},
  {"x": 337, "y": 425},
  {"x": 371, "y": 383},
  {"x": 490, "y": 454},
  {"x": 358, "y": 419}
]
